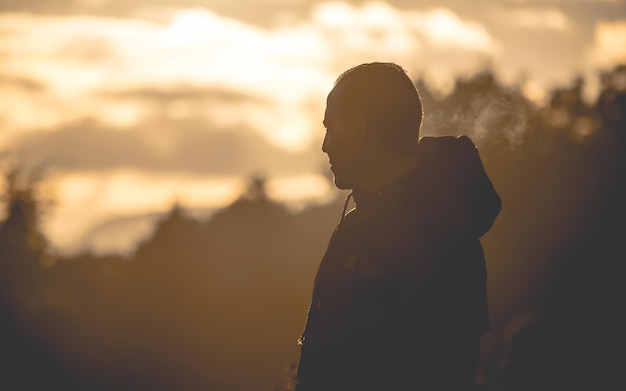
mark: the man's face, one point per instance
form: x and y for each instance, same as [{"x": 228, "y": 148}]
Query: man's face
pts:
[{"x": 341, "y": 145}]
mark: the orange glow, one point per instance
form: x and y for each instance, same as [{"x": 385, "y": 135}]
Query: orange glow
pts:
[
  {"x": 221, "y": 73},
  {"x": 87, "y": 199},
  {"x": 145, "y": 121},
  {"x": 537, "y": 18},
  {"x": 609, "y": 43}
]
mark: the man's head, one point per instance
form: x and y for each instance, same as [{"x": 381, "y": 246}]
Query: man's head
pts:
[{"x": 373, "y": 110}]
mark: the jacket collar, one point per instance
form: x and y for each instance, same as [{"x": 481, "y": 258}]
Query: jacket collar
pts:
[{"x": 399, "y": 193}]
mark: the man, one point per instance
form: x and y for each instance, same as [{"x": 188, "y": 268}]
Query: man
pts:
[{"x": 399, "y": 300}]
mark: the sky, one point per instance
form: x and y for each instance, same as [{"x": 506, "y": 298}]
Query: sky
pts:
[{"x": 132, "y": 106}]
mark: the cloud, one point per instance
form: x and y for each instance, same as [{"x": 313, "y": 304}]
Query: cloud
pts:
[
  {"x": 160, "y": 146},
  {"x": 282, "y": 73},
  {"x": 197, "y": 47},
  {"x": 91, "y": 200},
  {"x": 443, "y": 28},
  {"x": 609, "y": 44},
  {"x": 12, "y": 87},
  {"x": 21, "y": 83},
  {"x": 260, "y": 11},
  {"x": 379, "y": 30},
  {"x": 164, "y": 95},
  {"x": 88, "y": 200},
  {"x": 535, "y": 18}
]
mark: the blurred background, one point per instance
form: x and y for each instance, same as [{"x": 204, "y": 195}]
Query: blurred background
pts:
[{"x": 164, "y": 202}]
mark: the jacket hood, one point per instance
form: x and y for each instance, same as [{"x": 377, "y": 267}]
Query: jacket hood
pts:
[
  {"x": 449, "y": 185},
  {"x": 456, "y": 182}
]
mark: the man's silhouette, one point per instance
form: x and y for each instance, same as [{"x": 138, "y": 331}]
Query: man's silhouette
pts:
[{"x": 399, "y": 300}]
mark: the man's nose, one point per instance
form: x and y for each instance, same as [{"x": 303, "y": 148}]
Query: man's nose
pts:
[{"x": 324, "y": 144}]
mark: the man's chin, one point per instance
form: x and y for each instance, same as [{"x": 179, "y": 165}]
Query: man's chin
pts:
[{"x": 342, "y": 184}]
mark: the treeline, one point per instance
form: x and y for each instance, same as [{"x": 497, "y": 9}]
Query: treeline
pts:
[{"x": 219, "y": 304}]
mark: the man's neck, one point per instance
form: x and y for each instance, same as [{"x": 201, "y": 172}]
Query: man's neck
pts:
[{"x": 387, "y": 172}]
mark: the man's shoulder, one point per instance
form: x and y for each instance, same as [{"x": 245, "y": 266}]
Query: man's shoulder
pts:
[
  {"x": 463, "y": 140},
  {"x": 447, "y": 148}
]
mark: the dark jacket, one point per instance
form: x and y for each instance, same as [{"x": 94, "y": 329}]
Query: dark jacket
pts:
[{"x": 399, "y": 298}]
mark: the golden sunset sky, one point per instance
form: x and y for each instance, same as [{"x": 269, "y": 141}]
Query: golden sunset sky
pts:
[{"x": 132, "y": 106}]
